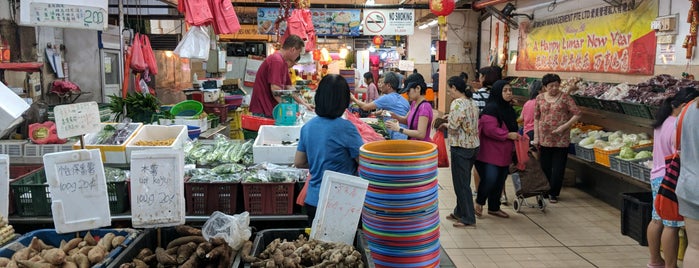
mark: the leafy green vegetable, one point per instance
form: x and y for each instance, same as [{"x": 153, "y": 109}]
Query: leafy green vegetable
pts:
[{"x": 228, "y": 169}]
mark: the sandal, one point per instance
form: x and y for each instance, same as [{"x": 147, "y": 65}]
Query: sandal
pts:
[
  {"x": 660, "y": 265},
  {"x": 478, "y": 210},
  {"x": 451, "y": 217},
  {"x": 463, "y": 225},
  {"x": 499, "y": 213}
]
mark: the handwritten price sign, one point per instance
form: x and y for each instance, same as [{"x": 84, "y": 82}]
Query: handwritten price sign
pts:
[
  {"x": 340, "y": 204},
  {"x": 68, "y": 16},
  {"x": 157, "y": 188},
  {"x": 77, "y": 119}
]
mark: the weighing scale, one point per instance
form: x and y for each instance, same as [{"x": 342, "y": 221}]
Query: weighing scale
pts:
[{"x": 285, "y": 112}]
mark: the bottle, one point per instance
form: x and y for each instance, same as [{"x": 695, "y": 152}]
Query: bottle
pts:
[{"x": 4, "y": 50}]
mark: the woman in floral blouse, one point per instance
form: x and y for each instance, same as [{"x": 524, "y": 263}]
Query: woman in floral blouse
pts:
[
  {"x": 463, "y": 140},
  {"x": 554, "y": 115}
]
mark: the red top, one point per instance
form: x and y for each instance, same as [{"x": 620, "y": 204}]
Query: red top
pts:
[
  {"x": 273, "y": 71},
  {"x": 551, "y": 115}
]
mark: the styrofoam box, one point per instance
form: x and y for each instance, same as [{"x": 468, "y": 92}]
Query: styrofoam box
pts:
[
  {"x": 152, "y": 133},
  {"x": 111, "y": 154},
  {"x": 13, "y": 148},
  {"x": 203, "y": 123},
  {"x": 268, "y": 148}
]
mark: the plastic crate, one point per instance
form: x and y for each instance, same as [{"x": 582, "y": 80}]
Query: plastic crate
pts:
[
  {"x": 254, "y": 123},
  {"x": 13, "y": 148},
  {"x": 635, "y": 215},
  {"x": 32, "y": 197},
  {"x": 584, "y": 153},
  {"x": 218, "y": 109},
  {"x": 652, "y": 110},
  {"x": 269, "y": 198},
  {"x": 635, "y": 109},
  {"x": 602, "y": 156},
  {"x": 18, "y": 171},
  {"x": 586, "y": 101},
  {"x": 203, "y": 198},
  {"x": 640, "y": 171},
  {"x": 50, "y": 237},
  {"x": 32, "y": 150},
  {"x": 611, "y": 106},
  {"x": 249, "y": 134},
  {"x": 264, "y": 237}
]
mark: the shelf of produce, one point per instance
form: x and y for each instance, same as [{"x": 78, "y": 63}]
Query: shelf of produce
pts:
[
  {"x": 127, "y": 217},
  {"x": 616, "y": 121},
  {"x": 603, "y": 183}
]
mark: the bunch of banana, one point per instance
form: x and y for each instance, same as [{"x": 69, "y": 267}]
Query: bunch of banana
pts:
[{"x": 7, "y": 233}]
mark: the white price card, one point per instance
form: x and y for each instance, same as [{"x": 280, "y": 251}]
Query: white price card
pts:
[
  {"x": 4, "y": 185},
  {"x": 63, "y": 15},
  {"x": 77, "y": 119},
  {"x": 157, "y": 188},
  {"x": 340, "y": 204},
  {"x": 78, "y": 187}
]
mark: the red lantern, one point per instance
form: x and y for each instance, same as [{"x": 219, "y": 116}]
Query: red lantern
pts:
[
  {"x": 377, "y": 40},
  {"x": 442, "y": 7},
  {"x": 316, "y": 54}
]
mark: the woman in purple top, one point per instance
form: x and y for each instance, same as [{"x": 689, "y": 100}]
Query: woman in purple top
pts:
[
  {"x": 497, "y": 128},
  {"x": 419, "y": 118}
]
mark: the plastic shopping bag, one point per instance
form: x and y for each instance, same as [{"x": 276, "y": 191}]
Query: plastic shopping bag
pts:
[
  {"x": 194, "y": 45},
  {"x": 522, "y": 149},
  {"x": 442, "y": 157},
  {"x": 138, "y": 60}
]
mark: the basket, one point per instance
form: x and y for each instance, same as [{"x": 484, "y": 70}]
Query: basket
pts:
[
  {"x": 584, "y": 153},
  {"x": 187, "y": 108},
  {"x": 652, "y": 110},
  {"x": 203, "y": 198},
  {"x": 269, "y": 198},
  {"x": 18, "y": 171},
  {"x": 254, "y": 122},
  {"x": 635, "y": 109},
  {"x": 51, "y": 238},
  {"x": 635, "y": 215},
  {"x": 602, "y": 156},
  {"x": 32, "y": 197},
  {"x": 611, "y": 106},
  {"x": 586, "y": 101},
  {"x": 639, "y": 171}
]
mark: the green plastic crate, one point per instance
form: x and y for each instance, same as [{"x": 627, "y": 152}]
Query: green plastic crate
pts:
[
  {"x": 635, "y": 109},
  {"x": 652, "y": 110},
  {"x": 520, "y": 91},
  {"x": 588, "y": 102},
  {"x": 249, "y": 135},
  {"x": 32, "y": 197}
]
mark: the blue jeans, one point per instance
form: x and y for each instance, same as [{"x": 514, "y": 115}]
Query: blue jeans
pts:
[
  {"x": 462, "y": 160},
  {"x": 491, "y": 185}
]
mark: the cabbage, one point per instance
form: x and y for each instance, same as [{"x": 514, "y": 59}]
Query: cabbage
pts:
[
  {"x": 643, "y": 136},
  {"x": 630, "y": 139},
  {"x": 587, "y": 141},
  {"x": 643, "y": 154},
  {"x": 600, "y": 144},
  {"x": 617, "y": 142},
  {"x": 627, "y": 153}
]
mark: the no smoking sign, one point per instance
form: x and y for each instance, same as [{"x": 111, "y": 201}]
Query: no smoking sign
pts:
[{"x": 375, "y": 22}]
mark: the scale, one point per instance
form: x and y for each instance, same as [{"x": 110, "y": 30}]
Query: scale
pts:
[{"x": 285, "y": 112}]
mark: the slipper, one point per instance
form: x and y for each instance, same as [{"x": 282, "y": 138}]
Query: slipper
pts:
[
  {"x": 451, "y": 217},
  {"x": 478, "y": 210},
  {"x": 661, "y": 265},
  {"x": 499, "y": 213},
  {"x": 463, "y": 225}
]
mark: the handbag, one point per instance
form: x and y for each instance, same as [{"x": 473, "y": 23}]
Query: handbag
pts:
[{"x": 666, "y": 200}]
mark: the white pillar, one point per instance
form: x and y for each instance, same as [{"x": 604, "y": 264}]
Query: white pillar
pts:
[{"x": 5, "y": 10}]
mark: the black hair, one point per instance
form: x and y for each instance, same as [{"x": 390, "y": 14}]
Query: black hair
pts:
[
  {"x": 293, "y": 41},
  {"x": 550, "y": 78},
  {"x": 369, "y": 76},
  {"x": 534, "y": 89},
  {"x": 458, "y": 83},
  {"x": 683, "y": 96},
  {"x": 414, "y": 78},
  {"x": 414, "y": 71},
  {"x": 499, "y": 108},
  {"x": 325, "y": 66},
  {"x": 422, "y": 85},
  {"x": 391, "y": 78},
  {"x": 463, "y": 76},
  {"x": 490, "y": 75},
  {"x": 332, "y": 96}
]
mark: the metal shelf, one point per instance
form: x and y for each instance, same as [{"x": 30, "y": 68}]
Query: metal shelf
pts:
[{"x": 127, "y": 217}]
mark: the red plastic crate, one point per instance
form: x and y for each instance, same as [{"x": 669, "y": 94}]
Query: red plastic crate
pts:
[
  {"x": 253, "y": 123},
  {"x": 218, "y": 109},
  {"x": 269, "y": 198},
  {"x": 16, "y": 172},
  {"x": 203, "y": 198}
]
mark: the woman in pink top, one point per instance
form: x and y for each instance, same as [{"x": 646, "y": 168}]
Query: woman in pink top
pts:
[
  {"x": 419, "y": 118},
  {"x": 664, "y": 232},
  {"x": 372, "y": 92},
  {"x": 527, "y": 114}
]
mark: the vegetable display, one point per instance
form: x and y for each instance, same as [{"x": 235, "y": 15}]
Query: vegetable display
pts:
[
  {"x": 113, "y": 134},
  {"x": 222, "y": 151},
  {"x": 303, "y": 253},
  {"x": 7, "y": 232}
]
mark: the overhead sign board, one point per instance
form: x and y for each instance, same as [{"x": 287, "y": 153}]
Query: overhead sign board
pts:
[{"x": 389, "y": 21}]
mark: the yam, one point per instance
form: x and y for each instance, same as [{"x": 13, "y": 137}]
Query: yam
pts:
[
  {"x": 118, "y": 240},
  {"x": 96, "y": 254},
  {"x": 216, "y": 252},
  {"x": 172, "y": 251},
  {"x": 55, "y": 256},
  {"x": 164, "y": 258},
  {"x": 38, "y": 245},
  {"x": 82, "y": 244},
  {"x": 70, "y": 245},
  {"x": 4, "y": 261},
  {"x": 86, "y": 249},
  {"x": 144, "y": 253},
  {"x": 186, "y": 230},
  {"x": 225, "y": 260},
  {"x": 81, "y": 260},
  {"x": 22, "y": 254},
  {"x": 89, "y": 239},
  {"x": 139, "y": 264},
  {"x": 106, "y": 242},
  {"x": 12, "y": 264},
  {"x": 217, "y": 241},
  {"x": 185, "y": 251},
  {"x": 186, "y": 239},
  {"x": 202, "y": 249},
  {"x": 69, "y": 264},
  {"x": 31, "y": 264},
  {"x": 192, "y": 262}
]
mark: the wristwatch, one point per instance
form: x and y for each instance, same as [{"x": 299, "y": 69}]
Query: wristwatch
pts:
[{"x": 400, "y": 130}]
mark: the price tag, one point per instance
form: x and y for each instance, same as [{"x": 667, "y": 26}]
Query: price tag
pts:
[
  {"x": 77, "y": 119},
  {"x": 78, "y": 190},
  {"x": 406, "y": 65},
  {"x": 157, "y": 188},
  {"x": 67, "y": 16},
  {"x": 340, "y": 204},
  {"x": 4, "y": 185}
]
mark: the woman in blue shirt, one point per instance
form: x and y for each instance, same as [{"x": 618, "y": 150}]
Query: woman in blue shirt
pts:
[
  {"x": 390, "y": 101},
  {"x": 327, "y": 142}
]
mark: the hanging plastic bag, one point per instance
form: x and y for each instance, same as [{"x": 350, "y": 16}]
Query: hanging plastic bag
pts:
[
  {"x": 194, "y": 45},
  {"x": 234, "y": 229},
  {"x": 198, "y": 12},
  {"x": 225, "y": 19},
  {"x": 522, "y": 149},
  {"x": 442, "y": 157},
  {"x": 138, "y": 61},
  {"x": 148, "y": 55}
]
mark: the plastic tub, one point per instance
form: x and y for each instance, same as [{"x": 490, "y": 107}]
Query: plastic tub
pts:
[
  {"x": 193, "y": 132},
  {"x": 187, "y": 108}
]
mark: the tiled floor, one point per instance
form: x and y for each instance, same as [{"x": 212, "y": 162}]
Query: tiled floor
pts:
[{"x": 578, "y": 231}]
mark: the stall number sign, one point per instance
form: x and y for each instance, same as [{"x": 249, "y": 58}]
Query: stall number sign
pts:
[
  {"x": 77, "y": 119},
  {"x": 389, "y": 22},
  {"x": 68, "y": 16},
  {"x": 4, "y": 184},
  {"x": 78, "y": 189},
  {"x": 340, "y": 204},
  {"x": 157, "y": 188}
]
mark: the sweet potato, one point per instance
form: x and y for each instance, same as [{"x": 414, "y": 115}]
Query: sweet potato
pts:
[
  {"x": 22, "y": 254},
  {"x": 192, "y": 262},
  {"x": 217, "y": 241},
  {"x": 202, "y": 249},
  {"x": 89, "y": 239},
  {"x": 31, "y": 264},
  {"x": 86, "y": 249},
  {"x": 139, "y": 264},
  {"x": 38, "y": 245},
  {"x": 186, "y": 239},
  {"x": 69, "y": 264},
  {"x": 164, "y": 258},
  {"x": 216, "y": 252},
  {"x": 70, "y": 245},
  {"x": 12, "y": 264},
  {"x": 224, "y": 261},
  {"x": 118, "y": 240},
  {"x": 186, "y": 230},
  {"x": 106, "y": 242},
  {"x": 172, "y": 250},
  {"x": 81, "y": 260},
  {"x": 185, "y": 251},
  {"x": 96, "y": 254},
  {"x": 144, "y": 253},
  {"x": 55, "y": 256},
  {"x": 4, "y": 261}
]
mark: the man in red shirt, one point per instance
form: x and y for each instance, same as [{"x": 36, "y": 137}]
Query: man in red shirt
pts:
[{"x": 273, "y": 74}]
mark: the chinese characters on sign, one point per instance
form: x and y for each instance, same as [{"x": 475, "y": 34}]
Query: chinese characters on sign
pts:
[
  {"x": 157, "y": 190},
  {"x": 68, "y": 16},
  {"x": 340, "y": 204},
  {"x": 77, "y": 177},
  {"x": 77, "y": 119}
]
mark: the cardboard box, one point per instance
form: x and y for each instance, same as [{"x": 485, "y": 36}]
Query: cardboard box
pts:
[
  {"x": 152, "y": 133},
  {"x": 111, "y": 154},
  {"x": 268, "y": 145}
]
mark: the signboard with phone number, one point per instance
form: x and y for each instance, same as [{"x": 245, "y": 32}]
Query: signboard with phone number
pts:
[{"x": 68, "y": 16}]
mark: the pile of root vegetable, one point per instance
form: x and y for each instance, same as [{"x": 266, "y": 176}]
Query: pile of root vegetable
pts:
[
  {"x": 304, "y": 253},
  {"x": 76, "y": 253},
  {"x": 190, "y": 250},
  {"x": 7, "y": 232}
]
